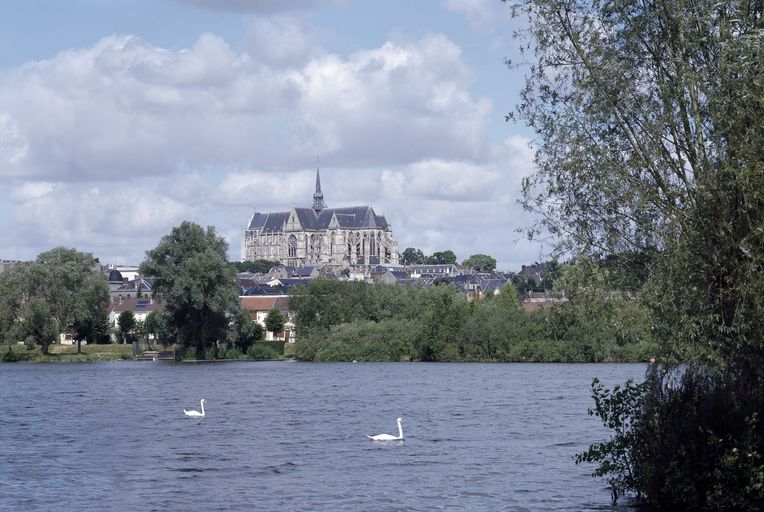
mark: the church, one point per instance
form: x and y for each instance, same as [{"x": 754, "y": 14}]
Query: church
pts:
[{"x": 318, "y": 236}]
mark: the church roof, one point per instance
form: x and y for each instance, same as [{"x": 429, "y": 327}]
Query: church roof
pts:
[
  {"x": 351, "y": 217},
  {"x": 272, "y": 221}
]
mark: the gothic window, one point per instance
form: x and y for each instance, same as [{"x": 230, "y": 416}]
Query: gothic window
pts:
[
  {"x": 372, "y": 246},
  {"x": 292, "y": 246}
]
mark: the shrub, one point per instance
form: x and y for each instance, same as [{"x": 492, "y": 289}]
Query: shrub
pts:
[{"x": 262, "y": 351}]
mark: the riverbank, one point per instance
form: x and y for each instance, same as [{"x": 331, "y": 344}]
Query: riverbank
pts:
[
  {"x": 121, "y": 352},
  {"x": 66, "y": 353}
]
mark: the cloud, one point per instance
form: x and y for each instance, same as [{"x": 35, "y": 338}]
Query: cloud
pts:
[
  {"x": 281, "y": 41},
  {"x": 29, "y": 191},
  {"x": 481, "y": 15},
  {"x": 124, "y": 108},
  {"x": 106, "y": 148}
]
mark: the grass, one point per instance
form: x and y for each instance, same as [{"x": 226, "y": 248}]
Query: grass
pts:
[{"x": 66, "y": 353}]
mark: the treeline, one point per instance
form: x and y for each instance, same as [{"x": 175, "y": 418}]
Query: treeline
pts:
[
  {"x": 345, "y": 321},
  {"x": 64, "y": 292}
]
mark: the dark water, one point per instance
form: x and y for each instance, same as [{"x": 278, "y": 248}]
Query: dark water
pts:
[{"x": 291, "y": 436}]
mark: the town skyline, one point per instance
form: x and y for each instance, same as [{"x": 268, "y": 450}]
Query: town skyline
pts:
[{"x": 119, "y": 122}]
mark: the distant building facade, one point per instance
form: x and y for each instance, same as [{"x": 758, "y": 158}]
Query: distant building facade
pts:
[{"x": 319, "y": 236}]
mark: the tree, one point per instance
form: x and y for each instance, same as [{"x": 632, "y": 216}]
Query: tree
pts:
[
  {"x": 412, "y": 256},
  {"x": 256, "y": 267},
  {"x": 127, "y": 324},
  {"x": 151, "y": 325},
  {"x": 90, "y": 321},
  {"x": 245, "y": 331},
  {"x": 38, "y": 323},
  {"x": 67, "y": 281},
  {"x": 649, "y": 126},
  {"x": 480, "y": 263},
  {"x": 196, "y": 283},
  {"x": 274, "y": 321},
  {"x": 442, "y": 258}
]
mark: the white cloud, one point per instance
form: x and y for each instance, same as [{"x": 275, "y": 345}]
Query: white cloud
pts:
[
  {"x": 107, "y": 148},
  {"x": 480, "y": 14},
  {"x": 124, "y": 108},
  {"x": 31, "y": 190},
  {"x": 281, "y": 41}
]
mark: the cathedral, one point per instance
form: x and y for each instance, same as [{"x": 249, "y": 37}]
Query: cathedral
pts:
[{"x": 338, "y": 237}]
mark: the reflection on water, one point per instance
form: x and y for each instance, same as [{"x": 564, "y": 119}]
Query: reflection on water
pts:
[{"x": 292, "y": 436}]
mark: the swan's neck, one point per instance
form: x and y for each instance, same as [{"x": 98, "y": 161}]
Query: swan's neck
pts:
[
  {"x": 202, "y": 403},
  {"x": 400, "y": 429}
]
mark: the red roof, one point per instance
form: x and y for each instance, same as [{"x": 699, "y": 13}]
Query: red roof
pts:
[{"x": 258, "y": 303}]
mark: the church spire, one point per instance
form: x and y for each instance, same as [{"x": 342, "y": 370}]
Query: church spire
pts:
[{"x": 318, "y": 196}]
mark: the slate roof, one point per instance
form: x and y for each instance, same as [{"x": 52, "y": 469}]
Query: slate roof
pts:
[
  {"x": 273, "y": 221},
  {"x": 352, "y": 217}
]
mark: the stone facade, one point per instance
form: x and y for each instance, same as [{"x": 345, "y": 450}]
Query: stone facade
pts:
[{"x": 340, "y": 237}]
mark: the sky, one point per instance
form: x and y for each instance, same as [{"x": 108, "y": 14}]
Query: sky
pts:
[{"x": 119, "y": 120}]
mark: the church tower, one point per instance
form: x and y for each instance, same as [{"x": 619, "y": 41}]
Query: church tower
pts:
[{"x": 318, "y": 196}]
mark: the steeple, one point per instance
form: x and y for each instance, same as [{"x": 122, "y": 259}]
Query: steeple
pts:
[{"x": 318, "y": 196}]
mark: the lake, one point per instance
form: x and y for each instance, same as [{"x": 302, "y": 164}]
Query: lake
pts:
[{"x": 292, "y": 436}]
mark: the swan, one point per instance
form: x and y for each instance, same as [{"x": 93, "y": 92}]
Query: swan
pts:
[
  {"x": 196, "y": 413},
  {"x": 389, "y": 437}
]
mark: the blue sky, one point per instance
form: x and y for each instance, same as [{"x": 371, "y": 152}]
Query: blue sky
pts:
[{"x": 119, "y": 120}]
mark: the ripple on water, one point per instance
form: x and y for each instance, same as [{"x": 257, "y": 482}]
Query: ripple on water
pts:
[{"x": 292, "y": 436}]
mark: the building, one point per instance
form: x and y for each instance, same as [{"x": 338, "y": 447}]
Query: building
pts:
[
  {"x": 320, "y": 236},
  {"x": 259, "y": 307}
]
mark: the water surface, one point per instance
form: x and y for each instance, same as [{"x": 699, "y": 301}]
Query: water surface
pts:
[{"x": 292, "y": 436}]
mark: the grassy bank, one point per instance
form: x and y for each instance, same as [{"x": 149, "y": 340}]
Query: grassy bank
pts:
[{"x": 66, "y": 353}]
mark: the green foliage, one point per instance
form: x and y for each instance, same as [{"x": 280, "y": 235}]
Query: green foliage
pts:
[
  {"x": 245, "y": 331},
  {"x": 265, "y": 350},
  {"x": 65, "y": 284},
  {"x": 347, "y": 320},
  {"x": 441, "y": 258},
  {"x": 11, "y": 357},
  {"x": 38, "y": 323},
  {"x": 480, "y": 263},
  {"x": 274, "y": 321},
  {"x": 151, "y": 323},
  {"x": 127, "y": 324},
  {"x": 387, "y": 340},
  {"x": 412, "y": 256},
  {"x": 685, "y": 439},
  {"x": 197, "y": 285},
  {"x": 256, "y": 267},
  {"x": 90, "y": 322},
  {"x": 649, "y": 122},
  {"x": 616, "y": 457}
]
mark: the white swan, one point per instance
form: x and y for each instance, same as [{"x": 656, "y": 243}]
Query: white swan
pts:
[
  {"x": 196, "y": 413},
  {"x": 389, "y": 437}
]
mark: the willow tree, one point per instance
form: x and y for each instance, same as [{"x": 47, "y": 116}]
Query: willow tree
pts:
[
  {"x": 196, "y": 284},
  {"x": 650, "y": 127},
  {"x": 649, "y": 122}
]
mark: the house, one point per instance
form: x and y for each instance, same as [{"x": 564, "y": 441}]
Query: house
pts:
[
  {"x": 6, "y": 265},
  {"x": 140, "y": 307},
  {"x": 303, "y": 272},
  {"x": 418, "y": 271},
  {"x": 259, "y": 306},
  {"x": 543, "y": 300}
]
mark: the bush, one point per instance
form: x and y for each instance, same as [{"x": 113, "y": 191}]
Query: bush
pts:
[
  {"x": 263, "y": 350},
  {"x": 233, "y": 353},
  {"x": 11, "y": 357},
  {"x": 685, "y": 439}
]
